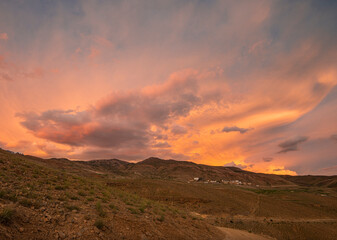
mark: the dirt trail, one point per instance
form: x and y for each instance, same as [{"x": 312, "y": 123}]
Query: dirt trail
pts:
[
  {"x": 270, "y": 219},
  {"x": 286, "y": 220},
  {"x": 256, "y": 206},
  {"x": 235, "y": 234}
]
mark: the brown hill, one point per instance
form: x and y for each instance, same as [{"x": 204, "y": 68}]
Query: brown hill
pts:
[
  {"x": 153, "y": 199},
  {"x": 310, "y": 180},
  {"x": 183, "y": 171},
  {"x": 59, "y": 199}
]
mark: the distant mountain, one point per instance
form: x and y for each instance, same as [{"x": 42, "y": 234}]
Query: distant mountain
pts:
[
  {"x": 182, "y": 171},
  {"x": 310, "y": 180}
]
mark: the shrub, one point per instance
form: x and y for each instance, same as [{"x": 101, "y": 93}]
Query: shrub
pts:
[
  {"x": 90, "y": 199},
  {"x": 26, "y": 203},
  {"x": 59, "y": 187},
  {"x": 99, "y": 224},
  {"x": 48, "y": 197},
  {"x": 133, "y": 210},
  {"x": 61, "y": 198},
  {"x": 112, "y": 206},
  {"x": 142, "y": 209},
  {"x": 8, "y": 196},
  {"x": 6, "y": 216},
  {"x": 81, "y": 193},
  {"x": 161, "y": 218},
  {"x": 74, "y": 198},
  {"x": 72, "y": 207},
  {"x": 100, "y": 209}
]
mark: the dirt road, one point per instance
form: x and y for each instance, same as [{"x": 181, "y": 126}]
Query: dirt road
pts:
[{"x": 235, "y": 234}]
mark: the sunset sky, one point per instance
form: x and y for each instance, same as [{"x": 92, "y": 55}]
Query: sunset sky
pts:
[{"x": 249, "y": 83}]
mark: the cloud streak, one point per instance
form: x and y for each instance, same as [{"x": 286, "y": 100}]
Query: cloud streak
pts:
[
  {"x": 292, "y": 144},
  {"x": 267, "y": 159},
  {"x": 236, "y": 129},
  {"x": 334, "y": 137}
]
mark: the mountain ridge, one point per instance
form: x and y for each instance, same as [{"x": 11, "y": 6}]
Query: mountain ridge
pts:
[{"x": 154, "y": 167}]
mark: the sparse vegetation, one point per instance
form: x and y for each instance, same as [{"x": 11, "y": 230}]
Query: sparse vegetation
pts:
[
  {"x": 100, "y": 210},
  {"x": 99, "y": 223},
  {"x": 81, "y": 193},
  {"x": 6, "y": 216},
  {"x": 73, "y": 207},
  {"x": 90, "y": 199},
  {"x": 149, "y": 200},
  {"x": 133, "y": 210},
  {"x": 26, "y": 203},
  {"x": 161, "y": 218},
  {"x": 58, "y": 187},
  {"x": 74, "y": 198}
]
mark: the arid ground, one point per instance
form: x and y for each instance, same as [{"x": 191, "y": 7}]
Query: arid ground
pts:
[{"x": 158, "y": 199}]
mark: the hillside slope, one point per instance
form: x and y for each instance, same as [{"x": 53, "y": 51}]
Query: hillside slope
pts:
[
  {"x": 40, "y": 201},
  {"x": 154, "y": 199},
  {"x": 183, "y": 171}
]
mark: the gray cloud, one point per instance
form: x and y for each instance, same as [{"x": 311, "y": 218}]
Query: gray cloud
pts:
[
  {"x": 291, "y": 145},
  {"x": 156, "y": 104},
  {"x": 5, "y": 77},
  {"x": 334, "y": 137},
  {"x": 235, "y": 129},
  {"x": 123, "y": 121},
  {"x": 329, "y": 170},
  {"x": 178, "y": 130},
  {"x": 82, "y": 129},
  {"x": 127, "y": 154},
  {"x": 268, "y": 159},
  {"x": 162, "y": 145}
]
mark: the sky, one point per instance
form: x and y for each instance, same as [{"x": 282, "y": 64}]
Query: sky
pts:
[{"x": 251, "y": 84}]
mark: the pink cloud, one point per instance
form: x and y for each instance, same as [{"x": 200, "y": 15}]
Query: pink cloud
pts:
[
  {"x": 123, "y": 120},
  {"x": 94, "y": 53},
  {"x": 3, "y": 36}
]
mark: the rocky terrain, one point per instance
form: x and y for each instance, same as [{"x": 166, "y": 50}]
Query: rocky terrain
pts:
[
  {"x": 183, "y": 171},
  {"x": 156, "y": 199}
]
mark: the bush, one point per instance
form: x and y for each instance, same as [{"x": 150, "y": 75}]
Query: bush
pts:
[
  {"x": 6, "y": 216},
  {"x": 133, "y": 210},
  {"x": 81, "y": 193},
  {"x": 26, "y": 203},
  {"x": 59, "y": 188},
  {"x": 100, "y": 210},
  {"x": 112, "y": 206},
  {"x": 72, "y": 207},
  {"x": 99, "y": 224},
  {"x": 74, "y": 198},
  {"x": 8, "y": 196},
  {"x": 161, "y": 218},
  {"x": 90, "y": 199}
]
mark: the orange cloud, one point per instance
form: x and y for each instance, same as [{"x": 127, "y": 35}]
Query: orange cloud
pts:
[{"x": 217, "y": 83}]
